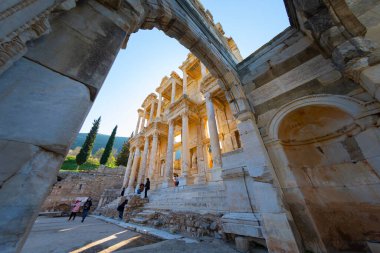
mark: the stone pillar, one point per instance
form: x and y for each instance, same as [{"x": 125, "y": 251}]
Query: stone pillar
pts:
[
  {"x": 173, "y": 91},
  {"x": 203, "y": 70},
  {"x": 153, "y": 154},
  {"x": 159, "y": 105},
  {"x": 143, "y": 121},
  {"x": 137, "y": 126},
  {"x": 140, "y": 178},
  {"x": 185, "y": 148},
  {"x": 128, "y": 169},
  {"x": 184, "y": 83},
  {"x": 276, "y": 220},
  {"x": 54, "y": 93},
  {"x": 136, "y": 160},
  {"x": 213, "y": 132},
  {"x": 151, "y": 112},
  {"x": 169, "y": 156}
]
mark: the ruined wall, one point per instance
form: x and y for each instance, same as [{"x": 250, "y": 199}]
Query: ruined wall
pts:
[
  {"x": 316, "y": 124},
  {"x": 81, "y": 184}
]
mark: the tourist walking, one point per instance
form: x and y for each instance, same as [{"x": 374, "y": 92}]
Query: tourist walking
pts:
[
  {"x": 121, "y": 207},
  {"x": 74, "y": 210},
  {"x": 147, "y": 187},
  {"x": 86, "y": 208}
]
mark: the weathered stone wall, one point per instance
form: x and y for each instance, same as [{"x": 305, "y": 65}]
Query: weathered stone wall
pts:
[
  {"x": 81, "y": 184},
  {"x": 318, "y": 151}
]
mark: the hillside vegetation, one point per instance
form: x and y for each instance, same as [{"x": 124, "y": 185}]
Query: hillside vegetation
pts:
[{"x": 100, "y": 142}]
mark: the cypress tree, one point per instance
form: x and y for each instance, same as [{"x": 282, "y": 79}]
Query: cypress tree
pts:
[
  {"x": 122, "y": 157},
  {"x": 88, "y": 144},
  {"x": 108, "y": 149}
]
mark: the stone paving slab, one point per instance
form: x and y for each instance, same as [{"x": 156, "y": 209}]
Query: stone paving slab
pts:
[{"x": 57, "y": 235}]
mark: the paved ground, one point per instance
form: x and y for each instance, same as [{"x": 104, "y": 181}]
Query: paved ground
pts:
[{"x": 57, "y": 235}]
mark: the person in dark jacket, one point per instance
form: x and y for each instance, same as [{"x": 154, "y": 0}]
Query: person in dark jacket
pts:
[
  {"x": 121, "y": 207},
  {"x": 147, "y": 187},
  {"x": 122, "y": 191},
  {"x": 86, "y": 207}
]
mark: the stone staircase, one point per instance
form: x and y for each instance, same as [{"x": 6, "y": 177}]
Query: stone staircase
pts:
[{"x": 195, "y": 210}]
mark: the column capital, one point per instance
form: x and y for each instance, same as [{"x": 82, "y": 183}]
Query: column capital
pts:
[
  {"x": 185, "y": 113},
  {"x": 208, "y": 96}
]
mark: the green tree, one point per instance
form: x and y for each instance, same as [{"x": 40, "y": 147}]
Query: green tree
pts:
[
  {"x": 122, "y": 157},
  {"x": 108, "y": 149},
  {"x": 88, "y": 144},
  {"x": 99, "y": 153}
]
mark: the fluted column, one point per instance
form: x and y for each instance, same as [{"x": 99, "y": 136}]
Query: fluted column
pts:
[
  {"x": 173, "y": 91},
  {"x": 169, "y": 156},
  {"x": 128, "y": 169},
  {"x": 151, "y": 112},
  {"x": 138, "y": 125},
  {"x": 185, "y": 146},
  {"x": 159, "y": 105},
  {"x": 136, "y": 160},
  {"x": 143, "y": 121},
  {"x": 153, "y": 153},
  {"x": 140, "y": 178},
  {"x": 213, "y": 132},
  {"x": 184, "y": 83}
]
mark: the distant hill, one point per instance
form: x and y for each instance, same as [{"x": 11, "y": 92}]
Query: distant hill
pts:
[{"x": 100, "y": 142}]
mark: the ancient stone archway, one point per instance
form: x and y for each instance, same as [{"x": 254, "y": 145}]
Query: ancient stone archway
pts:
[
  {"x": 322, "y": 177},
  {"x": 54, "y": 79}
]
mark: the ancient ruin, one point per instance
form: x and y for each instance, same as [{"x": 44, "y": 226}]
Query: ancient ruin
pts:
[{"x": 281, "y": 148}]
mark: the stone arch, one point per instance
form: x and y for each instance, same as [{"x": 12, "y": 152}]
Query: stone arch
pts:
[
  {"x": 68, "y": 66},
  {"x": 192, "y": 27},
  {"x": 352, "y": 106}
]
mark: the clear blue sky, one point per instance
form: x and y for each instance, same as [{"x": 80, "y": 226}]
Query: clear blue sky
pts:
[{"x": 150, "y": 55}]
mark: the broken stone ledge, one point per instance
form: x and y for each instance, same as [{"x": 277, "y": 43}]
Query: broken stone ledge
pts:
[{"x": 146, "y": 230}]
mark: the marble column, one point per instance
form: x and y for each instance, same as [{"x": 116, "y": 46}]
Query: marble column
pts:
[
  {"x": 151, "y": 112},
  {"x": 169, "y": 156},
  {"x": 143, "y": 121},
  {"x": 173, "y": 91},
  {"x": 135, "y": 164},
  {"x": 203, "y": 70},
  {"x": 159, "y": 105},
  {"x": 213, "y": 133},
  {"x": 128, "y": 169},
  {"x": 140, "y": 178},
  {"x": 185, "y": 147},
  {"x": 138, "y": 125},
  {"x": 184, "y": 83},
  {"x": 153, "y": 153}
]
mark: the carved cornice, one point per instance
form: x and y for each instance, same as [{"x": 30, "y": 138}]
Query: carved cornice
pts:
[
  {"x": 13, "y": 45},
  {"x": 182, "y": 105}
]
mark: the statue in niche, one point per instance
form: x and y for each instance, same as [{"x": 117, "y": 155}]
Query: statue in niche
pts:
[{"x": 194, "y": 161}]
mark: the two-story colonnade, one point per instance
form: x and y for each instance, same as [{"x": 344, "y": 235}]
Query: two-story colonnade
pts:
[{"x": 185, "y": 129}]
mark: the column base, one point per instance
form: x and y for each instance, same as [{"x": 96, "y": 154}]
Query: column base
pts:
[
  {"x": 215, "y": 174},
  {"x": 167, "y": 183},
  {"x": 129, "y": 190},
  {"x": 183, "y": 180},
  {"x": 200, "y": 179}
]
